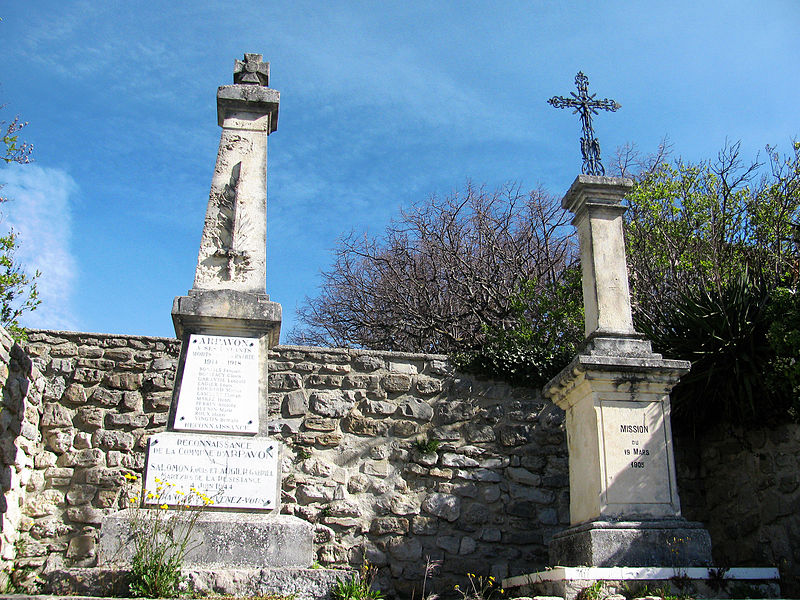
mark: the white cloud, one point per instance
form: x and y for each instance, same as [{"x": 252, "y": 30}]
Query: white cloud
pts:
[{"x": 40, "y": 212}]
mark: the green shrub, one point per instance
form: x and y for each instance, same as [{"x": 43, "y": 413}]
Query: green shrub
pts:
[{"x": 540, "y": 339}]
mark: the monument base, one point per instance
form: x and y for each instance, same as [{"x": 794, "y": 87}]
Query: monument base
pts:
[
  {"x": 698, "y": 582},
  {"x": 223, "y": 540},
  {"x": 227, "y": 312},
  {"x": 673, "y": 542},
  {"x": 302, "y": 584}
]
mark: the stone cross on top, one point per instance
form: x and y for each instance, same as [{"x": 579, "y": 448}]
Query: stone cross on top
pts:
[
  {"x": 252, "y": 70},
  {"x": 585, "y": 105}
]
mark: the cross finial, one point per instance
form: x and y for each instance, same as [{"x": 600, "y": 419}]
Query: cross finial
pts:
[
  {"x": 252, "y": 70},
  {"x": 585, "y": 105}
]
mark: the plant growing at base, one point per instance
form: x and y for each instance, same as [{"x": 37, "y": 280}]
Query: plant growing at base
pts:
[
  {"x": 591, "y": 592},
  {"x": 161, "y": 536},
  {"x": 358, "y": 587},
  {"x": 430, "y": 571},
  {"x": 480, "y": 587}
]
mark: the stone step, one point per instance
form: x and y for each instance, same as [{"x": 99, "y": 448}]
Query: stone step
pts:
[
  {"x": 222, "y": 539},
  {"x": 699, "y": 582},
  {"x": 106, "y": 582}
]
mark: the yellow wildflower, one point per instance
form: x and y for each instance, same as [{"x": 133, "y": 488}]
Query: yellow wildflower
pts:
[{"x": 164, "y": 506}]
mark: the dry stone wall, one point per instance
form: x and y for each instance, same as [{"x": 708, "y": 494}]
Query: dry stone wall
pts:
[
  {"x": 744, "y": 484},
  {"x": 392, "y": 456},
  {"x": 20, "y": 442}
]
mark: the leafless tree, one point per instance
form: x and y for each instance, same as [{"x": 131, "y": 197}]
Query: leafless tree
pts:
[{"x": 443, "y": 274}]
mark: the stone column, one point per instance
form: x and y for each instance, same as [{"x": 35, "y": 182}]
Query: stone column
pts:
[
  {"x": 216, "y": 439},
  {"x": 229, "y": 291},
  {"x": 624, "y": 506}
]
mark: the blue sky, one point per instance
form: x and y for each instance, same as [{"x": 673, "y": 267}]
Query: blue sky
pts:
[{"x": 382, "y": 103}]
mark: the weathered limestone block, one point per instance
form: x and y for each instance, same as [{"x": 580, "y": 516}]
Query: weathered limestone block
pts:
[
  {"x": 124, "y": 381},
  {"x": 331, "y": 381},
  {"x": 91, "y": 417},
  {"x": 378, "y": 407},
  {"x": 75, "y": 394},
  {"x": 284, "y": 381},
  {"x": 364, "y": 426},
  {"x": 82, "y": 546},
  {"x": 44, "y": 503},
  {"x": 458, "y": 460},
  {"x": 85, "y": 514},
  {"x": 404, "y": 429},
  {"x": 64, "y": 349},
  {"x": 330, "y": 403},
  {"x": 91, "y": 457},
  {"x": 295, "y": 403},
  {"x": 444, "y": 506},
  {"x": 455, "y": 412},
  {"x": 404, "y": 549},
  {"x": 81, "y": 493},
  {"x": 90, "y": 352},
  {"x": 403, "y": 505},
  {"x": 324, "y": 439},
  {"x": 105, "y": 397},
  {"x": 315, "y": 423},
  {"x": 427, "y": 386},
  {"x": 368, "y": 363},
  {"x": 384, "y": 525},
  {"x": 132, "y": 420},
  {"x": 417, "y": 409},
  {"x": 396, "y": 383},
  {"x": 523, "y": 476},
  {"x": 119, "y": 355},
  {"x": 60, "y": 440},
  {"x": 56, "y": 415},
  {"x": 113, "y": 440}
]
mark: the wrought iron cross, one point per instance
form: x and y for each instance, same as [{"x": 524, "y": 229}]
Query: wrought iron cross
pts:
[{"x": 585, "y": 105}]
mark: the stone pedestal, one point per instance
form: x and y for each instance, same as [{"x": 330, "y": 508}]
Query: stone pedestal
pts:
[
  {"x": 624, "y": 505},
  {"x": 224, "y": 540},
  {"x": 656, "y": 543}
]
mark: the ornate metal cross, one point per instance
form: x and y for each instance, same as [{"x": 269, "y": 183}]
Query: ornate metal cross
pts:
[{"x": 585, "y": 105}]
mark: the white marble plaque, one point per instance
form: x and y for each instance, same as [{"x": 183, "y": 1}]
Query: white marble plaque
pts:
[
  {"x": 635, "y": 448},
  {"x": 219, "y": 387},
  {"x": 234, "y": 471}
]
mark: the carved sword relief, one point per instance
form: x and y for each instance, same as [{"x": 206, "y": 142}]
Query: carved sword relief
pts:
[{"x": 233, "y": 228}]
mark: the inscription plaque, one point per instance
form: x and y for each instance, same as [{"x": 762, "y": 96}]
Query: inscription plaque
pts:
[
  {"x": 234, "y": 471},
  {"x": 635, "y": 449},
  {"x": 219, "y": 388}
]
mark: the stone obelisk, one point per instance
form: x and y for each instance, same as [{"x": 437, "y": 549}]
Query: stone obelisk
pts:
[{"x": 216, "y": 440}]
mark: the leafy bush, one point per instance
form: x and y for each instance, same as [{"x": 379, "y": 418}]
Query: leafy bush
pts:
[
  {"x": 18, "y": 292},
  {"x": 724, "y": 334},
  {"x": 542, "y": 337},
  {"x": 713, "y": 261}
]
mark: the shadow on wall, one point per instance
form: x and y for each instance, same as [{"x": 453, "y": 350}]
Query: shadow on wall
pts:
[{"x": 20, "y": 441}]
